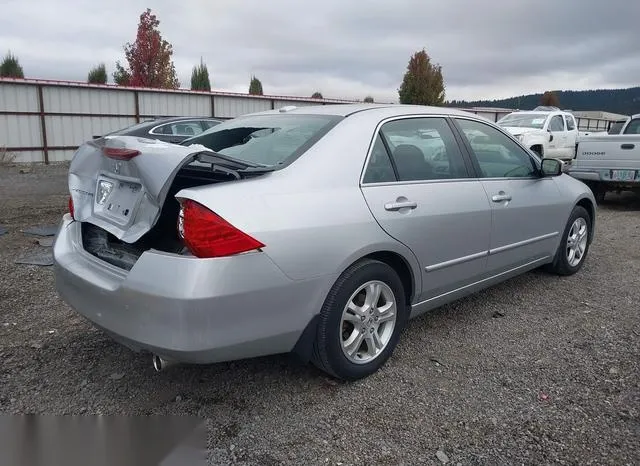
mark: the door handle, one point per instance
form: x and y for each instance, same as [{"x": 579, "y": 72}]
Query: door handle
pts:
[
  {"x": 501, "y": 197},
  {"x": 627, "y": 146},
  {"x": 400, "y": 205}
]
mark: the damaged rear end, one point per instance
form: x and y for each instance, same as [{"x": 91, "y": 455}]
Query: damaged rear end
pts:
[
  {"x": 160, "y": 247},
  {"x": 122, "y": 191}
]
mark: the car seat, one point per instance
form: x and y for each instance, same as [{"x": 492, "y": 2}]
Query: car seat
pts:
[{"x": 411, "y": 164}]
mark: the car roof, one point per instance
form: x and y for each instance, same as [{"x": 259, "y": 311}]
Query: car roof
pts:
[
  {"x": 349, "y": 109},
  {"x": 180, "y": 118},
  {"x": 544, "y": 112}
]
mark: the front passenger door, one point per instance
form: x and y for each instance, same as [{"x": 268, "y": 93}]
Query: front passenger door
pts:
[
  {"x": 558, "y": 143},
  {"x": 527, "y": 210}
]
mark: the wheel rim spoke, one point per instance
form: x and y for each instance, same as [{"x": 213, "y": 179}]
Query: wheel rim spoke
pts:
[
  {"x": 353, "y": 344},
  {"x": 357, "y": 310},
  {"x": 353, "y": 318},
  {"x": 373, "y": 295}
]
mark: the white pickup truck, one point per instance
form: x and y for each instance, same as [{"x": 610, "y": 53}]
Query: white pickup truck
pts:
[
  {"x": 548, "y": 131},
  {"x": 611, "y": 162}
]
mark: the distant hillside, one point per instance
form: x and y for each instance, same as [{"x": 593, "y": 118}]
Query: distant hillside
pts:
[{"x": 622, "y": 101}]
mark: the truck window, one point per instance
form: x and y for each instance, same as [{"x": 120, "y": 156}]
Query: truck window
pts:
[
  {"x": 633, "y": 127},
  {"x": 556, "y": 124},
  {"x": 616, "y": 127},
  {"x": 571, "y": 125}
]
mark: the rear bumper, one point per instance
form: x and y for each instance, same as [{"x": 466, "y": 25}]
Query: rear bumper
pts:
[
  {"x": 601, "y": 175},
  {"x": 183, "y": 308}
]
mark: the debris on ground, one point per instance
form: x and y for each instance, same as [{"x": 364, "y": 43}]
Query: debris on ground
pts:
[
  {"x": 442, "y": 456},
  {"x": 41, "y": 230},
  {"x": 3, "y": 231},
  {"x": 498, "y": 314},
  {"x": 44, "y": 258},
  {"x": 45, "y": 242}
]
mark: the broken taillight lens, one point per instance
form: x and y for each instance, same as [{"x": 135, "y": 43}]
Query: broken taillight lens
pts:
[
  {"x": 206, "y": 234},
  {"x": 71, "y": 207},
  {"x": 118, "y": 153}
]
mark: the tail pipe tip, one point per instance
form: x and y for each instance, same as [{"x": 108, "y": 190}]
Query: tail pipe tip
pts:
[{"x": 160, "y": 364}]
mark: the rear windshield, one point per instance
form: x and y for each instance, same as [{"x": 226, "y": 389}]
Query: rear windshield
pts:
[{"x": 268, "y": 140}]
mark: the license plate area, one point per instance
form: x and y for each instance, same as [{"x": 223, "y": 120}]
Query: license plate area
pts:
[
  {"x": 116, "y": 199},
  {"x": 623, "y": 175}
]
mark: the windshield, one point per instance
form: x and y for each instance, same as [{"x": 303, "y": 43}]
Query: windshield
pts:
[
  {"x": 267, "y": 140},
  {"x": 524, "y": 120}
]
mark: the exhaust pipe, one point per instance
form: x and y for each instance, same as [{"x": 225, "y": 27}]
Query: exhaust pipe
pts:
[{"x": 160, "y": 364}]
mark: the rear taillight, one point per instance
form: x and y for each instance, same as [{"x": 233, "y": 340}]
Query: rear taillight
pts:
[
  {"x": 208, "y": 235},
  {"x": 71, "y": 207},
  {"x": 120, "y": 153}
]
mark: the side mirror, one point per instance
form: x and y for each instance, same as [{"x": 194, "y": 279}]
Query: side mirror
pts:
[{"x": 551, "y": 167}]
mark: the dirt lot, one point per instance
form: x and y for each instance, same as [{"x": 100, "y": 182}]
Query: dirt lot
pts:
[{"x": 537, "y": 370}]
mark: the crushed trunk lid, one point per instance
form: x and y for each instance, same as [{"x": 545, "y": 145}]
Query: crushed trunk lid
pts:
[{"x": 120, "y": 183}]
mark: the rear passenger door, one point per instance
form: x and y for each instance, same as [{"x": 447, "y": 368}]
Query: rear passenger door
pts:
[
  {"x": 527, "y": 210},
  {"x": 418, "y": 186}
]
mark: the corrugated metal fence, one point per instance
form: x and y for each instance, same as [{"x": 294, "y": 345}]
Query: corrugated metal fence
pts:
[{"x": 45, "y": 121}]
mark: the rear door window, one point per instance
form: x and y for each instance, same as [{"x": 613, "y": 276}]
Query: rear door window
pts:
[
  {"x": 379, "y": 169},
  {"x": 421, "y": 149}
]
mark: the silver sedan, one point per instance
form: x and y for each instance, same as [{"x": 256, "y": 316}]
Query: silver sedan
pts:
[{"x": 316, "y": 230}]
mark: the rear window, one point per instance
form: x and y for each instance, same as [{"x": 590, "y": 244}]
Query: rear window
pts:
[{"x": 269, "y": 140}]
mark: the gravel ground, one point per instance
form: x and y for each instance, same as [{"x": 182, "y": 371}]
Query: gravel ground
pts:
[{"x": 538, "y": 370}]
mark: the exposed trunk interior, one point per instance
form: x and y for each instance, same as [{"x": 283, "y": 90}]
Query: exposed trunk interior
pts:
[{"x": 163, "y": 236}]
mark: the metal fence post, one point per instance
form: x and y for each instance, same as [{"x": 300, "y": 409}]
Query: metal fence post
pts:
[
  {"x": 136, "y": 106},
  {"x": 43, "y": 126}
]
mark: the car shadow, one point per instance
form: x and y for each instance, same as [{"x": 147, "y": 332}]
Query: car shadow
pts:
[{"x": 116, "y": 362}]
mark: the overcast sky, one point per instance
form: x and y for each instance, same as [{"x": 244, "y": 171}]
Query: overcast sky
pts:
[{"x": 344, "y": 48}]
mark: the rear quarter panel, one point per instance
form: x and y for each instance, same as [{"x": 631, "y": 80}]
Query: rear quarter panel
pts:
[{"x": 311, "y": 215}]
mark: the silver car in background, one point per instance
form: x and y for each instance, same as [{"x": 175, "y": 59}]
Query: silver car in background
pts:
[{"x": 316, "y": 230}]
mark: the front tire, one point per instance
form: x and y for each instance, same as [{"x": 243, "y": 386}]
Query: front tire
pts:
[
  {"x": 574, "y": 245},
  {"x": 361, "y": 321}
]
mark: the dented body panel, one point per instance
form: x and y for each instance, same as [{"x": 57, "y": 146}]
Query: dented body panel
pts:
[{"x": 143, "y": 181}]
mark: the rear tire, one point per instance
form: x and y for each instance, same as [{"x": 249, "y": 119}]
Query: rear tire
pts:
[
  {"x": 574, "y": 244},
  {"x": 361, "y": 321}
]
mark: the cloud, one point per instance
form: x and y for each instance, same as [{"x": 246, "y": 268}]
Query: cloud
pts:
[{"x": 489, "y": 49}]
